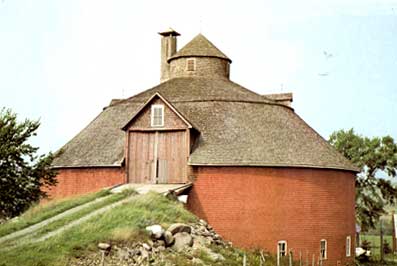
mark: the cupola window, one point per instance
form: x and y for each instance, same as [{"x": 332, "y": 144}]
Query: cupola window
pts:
[
  {"x": 157, "y": 115},
  {"x": 191, "y": 64}
]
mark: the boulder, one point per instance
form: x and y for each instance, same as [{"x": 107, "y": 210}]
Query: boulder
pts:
[
  {"x": 168, "y": 238},
  {"x": 182, "y": 240},
  {"x": 156, "y": 231},
  {"x": 179, "y": 228}
]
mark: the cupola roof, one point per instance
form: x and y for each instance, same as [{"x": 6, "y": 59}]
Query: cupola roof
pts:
[{"x": 200, "y": 46}]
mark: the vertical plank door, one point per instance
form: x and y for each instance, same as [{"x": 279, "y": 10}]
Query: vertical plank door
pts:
[
  {"x": 172, "y": 157},
  {"x": 141, "y": 166}
]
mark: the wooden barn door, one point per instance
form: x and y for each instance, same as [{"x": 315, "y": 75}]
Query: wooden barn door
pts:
[
  {"x": 157, "y": 157},
  {"x": 141, "y": 166},
  {"x": 172, "y": 156}
]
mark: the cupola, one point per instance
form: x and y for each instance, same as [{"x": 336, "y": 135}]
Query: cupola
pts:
[{"x": 198, "y": 58}]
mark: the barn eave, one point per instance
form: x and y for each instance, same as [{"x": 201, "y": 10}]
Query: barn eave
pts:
[{"x": 259, "y": 164}]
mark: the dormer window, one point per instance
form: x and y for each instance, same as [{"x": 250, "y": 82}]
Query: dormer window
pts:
[
  {"x": 191, "y": 64},
  {"x": 157, "y": 115}
]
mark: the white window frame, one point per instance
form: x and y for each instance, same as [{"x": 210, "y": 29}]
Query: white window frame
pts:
[
  {"x": 348, "y": 246},
  {"x": 194, "y": 64},
  {"x": 325, "y": 249},
  {"x": 278, "y": 250},
  {"x": 157, "y": 106}
]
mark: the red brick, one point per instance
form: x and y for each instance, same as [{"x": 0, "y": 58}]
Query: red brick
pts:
[
  {"x": 255, "y": 207},
  {"x": 77, "y": 181}
]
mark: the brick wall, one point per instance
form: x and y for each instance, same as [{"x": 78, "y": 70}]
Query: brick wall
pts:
[
  {"x": 76, "y": 181},
  {"x": 257, "y": 207}
]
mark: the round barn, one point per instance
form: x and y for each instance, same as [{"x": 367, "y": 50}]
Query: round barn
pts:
[{"x": 261, "y": 176}]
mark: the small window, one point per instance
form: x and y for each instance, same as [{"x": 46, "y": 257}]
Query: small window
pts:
[
  {"x": 323, "y": 249},
  {"x": 348, "y": 246},
  {"x": 282, "y": 248},
  {"x": 191, "y": 64},
  {"x": 157, "y": 116}
]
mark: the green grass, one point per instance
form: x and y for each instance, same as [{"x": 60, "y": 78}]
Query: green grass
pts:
[
  {"x": 375, "y": 242},
  {"x": 47, "y": 210},
  {"x": 144, "y": 210},
  {"x": 67, "y": 219},
  {"x": 375, "y": 250}
]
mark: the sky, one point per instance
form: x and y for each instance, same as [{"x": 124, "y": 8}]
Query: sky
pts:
[{"x": 62, "y": 61}]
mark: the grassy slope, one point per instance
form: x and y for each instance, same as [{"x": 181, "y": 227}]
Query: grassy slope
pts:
[
  {"x": 67, "y": 219},
  {"x": 123, "y": 223},
  {"x": 41, "y": 212},
  {"x": 135, "y": 215}
]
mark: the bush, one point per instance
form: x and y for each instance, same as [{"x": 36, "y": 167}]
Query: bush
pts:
[
  {"x": 386, "y": 247},
  {"x": 366, "y": 245}
]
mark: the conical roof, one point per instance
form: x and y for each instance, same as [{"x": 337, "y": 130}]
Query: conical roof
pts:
[
  {"x": 237, "y": 128},
  {"x": 200, "y": 46}
]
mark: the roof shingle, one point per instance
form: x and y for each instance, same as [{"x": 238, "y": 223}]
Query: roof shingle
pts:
[
  {"x": 199, "y": 47},
  {"x": 237, "y": 127}
]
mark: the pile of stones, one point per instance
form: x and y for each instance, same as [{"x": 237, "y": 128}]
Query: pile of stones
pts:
[{"x": 189, "y": 239}]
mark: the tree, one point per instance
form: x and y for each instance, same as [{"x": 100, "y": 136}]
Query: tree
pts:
[
  {"x": 24, "y": 176},
  {"x": 373, "y": 156}
]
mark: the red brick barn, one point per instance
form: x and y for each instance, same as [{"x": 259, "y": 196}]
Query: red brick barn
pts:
[{"x": 261, "y": 176}]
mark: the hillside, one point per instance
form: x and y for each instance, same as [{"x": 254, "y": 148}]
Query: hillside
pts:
[{"x": 118, "y": 224}]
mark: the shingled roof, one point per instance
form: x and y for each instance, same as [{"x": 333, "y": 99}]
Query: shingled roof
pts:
[
  {"x": 200, "y": 46},
  {"x": 237, "y": 128}
]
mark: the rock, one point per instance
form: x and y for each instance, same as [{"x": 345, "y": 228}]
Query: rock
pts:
[
  {"x": 182, "y": 240},
  {"x": 156, "y": 231},
  {"x": 183, "y": 199},
  {"x": 168, "y": 238},
  {"x": 146, "y": 246},
  {"x": 104, "y": 246},
  {"x": 160, "y": 248},
  {"x": 144, "y": 253},
  {"x": 123, "y": 254},
  {"x": 179, "y": 228},
  {"x": 203, "y": 223}
]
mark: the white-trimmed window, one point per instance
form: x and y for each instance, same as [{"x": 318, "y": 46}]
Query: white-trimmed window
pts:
[
  {"x": 282, "y": 248},
  {"x": 157, "y": 115},
  {"x": 348, "y": 246},
  {"x": 323, "y": 249},
  {"x": 191, "y": 64}
]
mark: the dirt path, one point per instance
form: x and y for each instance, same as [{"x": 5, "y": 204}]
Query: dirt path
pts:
[{"x": 33, "y": 228}]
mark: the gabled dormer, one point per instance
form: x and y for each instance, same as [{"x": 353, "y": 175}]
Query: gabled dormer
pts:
[
  {"x": 157, "y": 114},
  {"x": 158, "y": 143}
]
